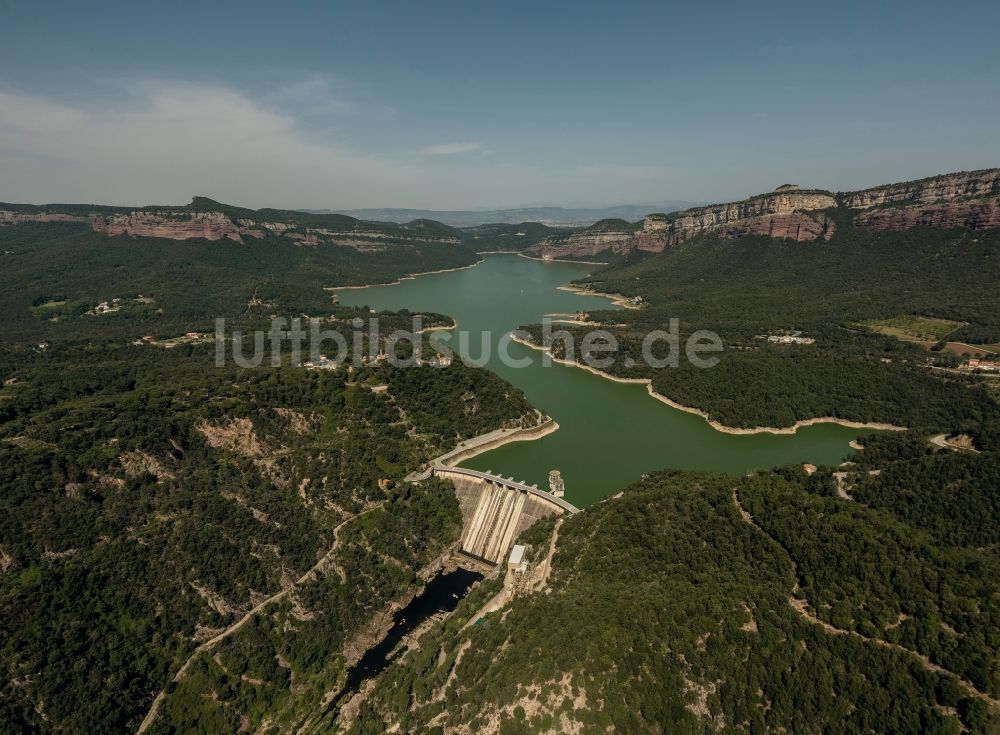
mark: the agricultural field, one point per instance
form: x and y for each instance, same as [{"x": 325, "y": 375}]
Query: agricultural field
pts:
[
  {"x": 914, "y": 328},
  {"x": 930, "y": 332}
]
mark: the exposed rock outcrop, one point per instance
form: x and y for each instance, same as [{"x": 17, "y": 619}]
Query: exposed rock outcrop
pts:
[
  {"x": 944, "y": 188},
  {"x": 652, "y": 234},
  {"x": 171, "y": 225},
  {"x": 794, "y": 226},
  {"x": 18, "y": 218},
  {"x": 968, "y": 199},
  {"x": 737, "y": 215},
  {"x": 195, "y": 221},
  {"x": 601, "y": 237},
  {"x": 238, "y": 436},
  {"x": 777, "y": 214},
  {"x": 137, "y": 462},
  {"x": 973, "y": 215}
]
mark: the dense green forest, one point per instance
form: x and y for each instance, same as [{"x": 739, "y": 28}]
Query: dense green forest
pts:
[
  {"x": 754, "y": 284},
  {"x": 281, "y": 669},
  {"x": 867, "y": 570},
  {"x": 149, "y": 497},
  {"x": 189, "y": 282},
  {"x": 670, "y": 611},
  {"x": 150, "y": 500},
  {"x": 484, "y": 238},
  {"x": 745, "y": 289}
]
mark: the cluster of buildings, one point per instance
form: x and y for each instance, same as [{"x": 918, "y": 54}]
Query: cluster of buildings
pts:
[
  {"x": 991, "y": 366},
  {"x": 321, "y": 363},
  {"x": 790, "y": 339},
  {"x": 436, "y": 361},
  {"x": 187, "y": 338},
  {"x": 516, "y": 562},
  {"x": 325, "y": 363},
  {"x": 116, "y": 304},
  {"x": 106, "y": 307}
]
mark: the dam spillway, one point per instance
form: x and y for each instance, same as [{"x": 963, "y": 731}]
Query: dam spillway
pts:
[
  {"x": 496, "y": 510},
  {"x": 494, "y": 523}
]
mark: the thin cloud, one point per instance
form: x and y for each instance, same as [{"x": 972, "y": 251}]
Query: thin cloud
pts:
[
  {"x": 172, "y": 139},
  {"x": 452, "y": 149},
  {"x": 159, "y": 142},
  {"x": 324, "y": 95}
]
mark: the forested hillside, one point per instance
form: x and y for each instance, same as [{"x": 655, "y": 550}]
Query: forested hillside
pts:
[
  {"x": 150, "y": 499},
  {"x": 488, "y": 237},
  {"x": 219, "y": 545},
  {"x": 52, "y": 274},
  {"x": 697, "y": 603},
  {"x": 747, "y": 289},
  {"x": 748, "y": 284}
]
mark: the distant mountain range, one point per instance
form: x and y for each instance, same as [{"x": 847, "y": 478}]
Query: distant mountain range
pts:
[
  {"x": 555, "y": 216},
  {"x": 962, "y": 199},
  {"x": 208, "y": 219}
]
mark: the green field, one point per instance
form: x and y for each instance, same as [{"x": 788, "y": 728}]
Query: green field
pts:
[{"x": 914, "y": 328}]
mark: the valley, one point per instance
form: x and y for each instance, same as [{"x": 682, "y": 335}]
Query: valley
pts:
[
  {"x": 634, "y": 433},
  {"x": 308, "y": 544},
  {"x": 499, "y": 368}
]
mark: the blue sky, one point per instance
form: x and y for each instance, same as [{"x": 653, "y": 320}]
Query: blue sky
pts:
[{"x": 462, "y": 104}]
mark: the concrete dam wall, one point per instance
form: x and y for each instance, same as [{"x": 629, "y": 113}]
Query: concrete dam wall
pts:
[{"x": 495, "y": 511}]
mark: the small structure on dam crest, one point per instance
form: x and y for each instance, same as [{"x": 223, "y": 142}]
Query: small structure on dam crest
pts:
[{"x": 556, "y": 485}]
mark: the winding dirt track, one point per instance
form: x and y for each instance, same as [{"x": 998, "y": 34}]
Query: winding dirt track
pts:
[
  {"x": 800, "y": 605},
  {"x": 208, "y": 645}
]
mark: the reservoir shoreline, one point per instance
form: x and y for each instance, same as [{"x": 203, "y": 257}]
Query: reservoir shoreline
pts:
[
  {"x": 563, "y": 260},
  {"x": 494, "y": 439},
  {"x": 720, "y": 427},
  {"x": 616, "y": 298},
  {"x": 410, "y": 277},
  {"x": 609, "y": 434},
  {"x": 487, "y": 442}
]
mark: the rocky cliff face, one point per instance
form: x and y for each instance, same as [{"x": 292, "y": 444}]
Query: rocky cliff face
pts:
[
  {"x": 946, "y": 188},
  {"x": 172, "y": 225},
  {"x": 739, "y": 215},
  {"x": 18, "y": 218},
  {"x": 651, "y": 235},
  {"x": 797, "y": 226},
  {"x": 969, "y": 199},
  {"x": 778, "y": 214},
  {"x": 973, "y": 215},
  {"x": 184, "y": 224},
  {"x": 613, "y": 235},
  {"x": 966, "y": 199}
]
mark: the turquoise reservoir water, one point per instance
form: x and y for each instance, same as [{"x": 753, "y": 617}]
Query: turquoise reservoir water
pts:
[{"x": 610, "y": 433}]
